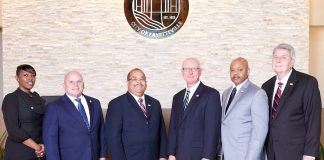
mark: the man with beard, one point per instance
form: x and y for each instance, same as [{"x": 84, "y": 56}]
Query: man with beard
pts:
[
  {"x": 245, "y": 116},
  {"x": 134, "y": 123}
]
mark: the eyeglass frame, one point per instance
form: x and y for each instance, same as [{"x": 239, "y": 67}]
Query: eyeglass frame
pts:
[
  {"x": 192, "y": 69},
  {"x": 137, "y": 79}
]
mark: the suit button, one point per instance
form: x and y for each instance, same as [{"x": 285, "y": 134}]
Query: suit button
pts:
[{"x": 146, "y": 123}]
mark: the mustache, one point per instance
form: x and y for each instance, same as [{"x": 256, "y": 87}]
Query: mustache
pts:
[{"x": 139, "y": 84}]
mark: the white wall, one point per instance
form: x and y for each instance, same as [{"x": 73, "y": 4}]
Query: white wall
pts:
[{"x": 95, "y": 38}]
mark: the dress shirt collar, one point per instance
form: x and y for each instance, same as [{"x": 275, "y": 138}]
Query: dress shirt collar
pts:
[
  {"x": 238, "y": 87},
  {"x": 283, "y": 81},
  {"x": 192, "y": 90},
  {"x": 137, "y": 98}
]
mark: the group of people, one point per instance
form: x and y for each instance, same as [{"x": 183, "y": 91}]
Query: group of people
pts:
[{"x": 279, "y": 121}]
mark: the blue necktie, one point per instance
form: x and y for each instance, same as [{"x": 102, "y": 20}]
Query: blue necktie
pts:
[
  {"x": 186, "y": 100},
  {"x": 82, "y": 112}
]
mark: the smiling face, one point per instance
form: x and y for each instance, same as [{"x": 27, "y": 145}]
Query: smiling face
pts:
[
  {"x": 73, "y": 84},
  {"x": 136, "y": 82},
  {"x": 191, "y": 71},
  {"x": 239, "y": 70},
  {"x": 26, "y": 80}
]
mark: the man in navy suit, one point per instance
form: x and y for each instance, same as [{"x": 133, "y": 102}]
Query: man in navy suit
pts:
[
  {"x": 134, "y": 123},
  {"x": 295, "y": 112},
  {"x": 195, "y": 124},
  {"x": 73, "y": 127}
]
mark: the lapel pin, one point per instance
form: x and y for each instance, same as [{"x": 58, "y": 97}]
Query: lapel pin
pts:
[
  {"x": 148, "y": 105},
  {"x": 31, "y": 107},
  {"x": 197, "y": 95},
  {"x": 291, "y": 84},
  {"x": 242, "y": 91},
  {"x": 90, "y": 101}
]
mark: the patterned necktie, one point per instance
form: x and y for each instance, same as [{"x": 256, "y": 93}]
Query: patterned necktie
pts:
[
  {"x": 143, "y": 108},
  {"x": 186, "y": 100},
  {"x": 276, "y": 100},
  {"x": 82, "y": 112},
  {"x": 230, "y": 99}
]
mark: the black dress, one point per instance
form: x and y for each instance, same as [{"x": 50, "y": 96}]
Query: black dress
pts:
[{"x": 23, "y": 117}]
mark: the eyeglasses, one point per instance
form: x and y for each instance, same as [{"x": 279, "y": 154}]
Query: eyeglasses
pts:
[
  {"x": 190, "y": 69},
  {"x": 137, "y": 79}
]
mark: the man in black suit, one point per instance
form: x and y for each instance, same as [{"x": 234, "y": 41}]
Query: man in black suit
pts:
[
  {"x": 295, "y": 110},
  {"x": 195, "y": 123},
  {"x": 134, "y": 123}
]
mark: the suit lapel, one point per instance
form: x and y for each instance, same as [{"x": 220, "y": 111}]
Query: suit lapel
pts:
[
  {"x": 236, "y": 97},
  {"x": 179, "y": 104},
  {"x": 194, "y": 99},
  {"x": 287, "y": 91},
  {"x": 225, "y": 98},
  {"x": 91, "y": 110},
  {"x": 134, "y": 105},
  {"x": 148, "y": 104},
  {"x": 73, "y": 110}
]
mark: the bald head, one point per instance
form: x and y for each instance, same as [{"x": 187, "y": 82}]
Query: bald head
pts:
[
  {"x": 191, "y": 61},
  {"x": 191, "y": 71},
  {"x": 239, "y": 70},
  {"x": 73, "y": 84},
  {"x": 241, "y": 60}
]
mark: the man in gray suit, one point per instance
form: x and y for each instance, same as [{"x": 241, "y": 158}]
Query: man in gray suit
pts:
[{"x": 244, "y": 117}]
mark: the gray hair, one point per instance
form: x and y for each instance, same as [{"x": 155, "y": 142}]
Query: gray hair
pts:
[{"x": 287, "y": 47}]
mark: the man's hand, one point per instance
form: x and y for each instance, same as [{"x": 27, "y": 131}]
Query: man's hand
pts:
[
  {"x": 102, "y": 158},
  {"x": 172, "y": 157},
  {"x": 308, "y": 157},
  {"x": 41, "y": 151}
]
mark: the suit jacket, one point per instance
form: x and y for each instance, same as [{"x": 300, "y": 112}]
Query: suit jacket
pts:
[
  {"x": 66, "y": 137},
  {"x": 131, "y": 135},
  {"x": 295, "y": 131},
  {"x": 195, "y": 133},
  {"x": 23, "y": 115},
  {"x": 245, "y": 125}
]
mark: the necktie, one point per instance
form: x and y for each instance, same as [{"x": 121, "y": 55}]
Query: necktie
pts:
[
  {"x": 276, "y": 100},
  {"x": 186, "y": 100},
  {"x": 230, "y": 99},
  {"x": 82, "y": 112},
  {"x": 143, "y": 108}
]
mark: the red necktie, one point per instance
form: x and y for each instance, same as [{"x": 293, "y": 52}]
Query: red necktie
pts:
[
  {"x": 143, "y": 108},
  {"x": 276, "y": 100}
]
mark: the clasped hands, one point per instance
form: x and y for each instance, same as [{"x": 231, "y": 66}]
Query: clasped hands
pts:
[{"x": 40, "y": 152}]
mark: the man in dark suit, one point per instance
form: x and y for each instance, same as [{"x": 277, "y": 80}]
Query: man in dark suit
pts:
[
  {"x": 295, "y": 110},
  {"x": 195, "y": 122},
  {"x": 74, "y": 125},
  {"x": 134, "y": 123}
]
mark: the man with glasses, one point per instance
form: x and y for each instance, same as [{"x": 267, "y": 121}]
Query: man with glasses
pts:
[
  {"x": 134, "y": 123},
  {"x": 195, "y": 122}
]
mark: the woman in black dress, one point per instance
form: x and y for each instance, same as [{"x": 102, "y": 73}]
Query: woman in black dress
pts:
[{"x": 23, "y": 112}]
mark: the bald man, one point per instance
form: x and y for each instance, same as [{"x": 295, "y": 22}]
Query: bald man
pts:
[
  {"x": 195, "y": 117},
  {"x": 245, "y": 116},
  {"x": 73, "y": 127}
]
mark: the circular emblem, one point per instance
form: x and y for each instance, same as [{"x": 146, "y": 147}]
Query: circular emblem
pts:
[{"x": 156, "y": 19}]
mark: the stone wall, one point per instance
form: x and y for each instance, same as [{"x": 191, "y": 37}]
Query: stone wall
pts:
[{"x": 95, "y": 38}]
